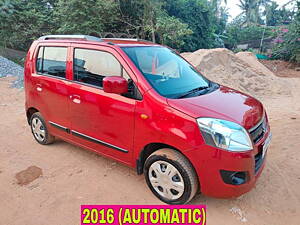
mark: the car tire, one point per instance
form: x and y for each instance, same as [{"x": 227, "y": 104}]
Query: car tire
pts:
[
  {"x": 39, "y": 130},
  {"x": 170, "y": 176}
]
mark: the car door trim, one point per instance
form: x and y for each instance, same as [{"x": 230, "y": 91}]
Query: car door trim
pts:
[
  {"x": 78, "y": 134},
  {"x": 86, "y": 137},
  {"x": 59, "y": 126}
]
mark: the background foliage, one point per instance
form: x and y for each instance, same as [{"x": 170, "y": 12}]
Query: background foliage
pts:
[
  {"x": 287, "y": 43},
  {"x": 185, "y": 25}
]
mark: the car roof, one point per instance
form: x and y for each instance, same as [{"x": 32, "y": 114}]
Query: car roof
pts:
[
  {"x": 85, "y": 39},
  {"x": 129, "y": 42}
]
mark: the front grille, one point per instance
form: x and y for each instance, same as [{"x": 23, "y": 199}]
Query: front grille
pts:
[
  {"x": 258, "y": 131},
  {"x": 258, "y": 161}
]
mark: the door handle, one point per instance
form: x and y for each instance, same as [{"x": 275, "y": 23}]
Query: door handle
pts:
[
  {"x": 39, "y": 87},
  {"x": 75, "y": 99}
]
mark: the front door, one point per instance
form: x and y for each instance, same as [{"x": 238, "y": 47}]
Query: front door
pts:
[{"x": 103, "y": 122}]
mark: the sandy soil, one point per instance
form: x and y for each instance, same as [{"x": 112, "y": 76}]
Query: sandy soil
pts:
[
  {"x": 281, "y": 68},
  {"x": 240, "y": 71},
  {"x": 71, "y": 176}
]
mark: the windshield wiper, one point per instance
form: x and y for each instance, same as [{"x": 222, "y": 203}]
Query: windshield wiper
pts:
[{"x": 195, "y": 90}]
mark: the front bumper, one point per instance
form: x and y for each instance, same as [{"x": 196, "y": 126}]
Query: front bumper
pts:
[{"x": 209, "y": 162}]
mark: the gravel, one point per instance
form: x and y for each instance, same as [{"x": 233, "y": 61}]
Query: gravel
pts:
[{"x": 9, "y": 68}]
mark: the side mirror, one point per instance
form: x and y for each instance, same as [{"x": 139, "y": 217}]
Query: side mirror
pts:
[{"x": 115, "y": 85}]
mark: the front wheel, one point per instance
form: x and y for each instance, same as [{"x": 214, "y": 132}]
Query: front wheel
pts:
[{"x": 170, "y": 176}]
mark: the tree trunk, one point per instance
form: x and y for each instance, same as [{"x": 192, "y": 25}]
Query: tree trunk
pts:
[{"x": 153, "y": 32}]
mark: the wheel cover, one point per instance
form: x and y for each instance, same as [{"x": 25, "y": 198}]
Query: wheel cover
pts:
[
  {"x": 166, "y": 180},
  {"x": 38, "y": 129}
]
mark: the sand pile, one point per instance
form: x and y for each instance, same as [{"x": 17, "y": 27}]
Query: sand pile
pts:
[{"x": 241, "y": 71}]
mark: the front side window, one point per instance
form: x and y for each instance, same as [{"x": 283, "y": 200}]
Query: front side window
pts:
[
  {"x": 170, "y": 75},
  {"x": 52, "y": 61},
  {"x": 91, "y": 66}
]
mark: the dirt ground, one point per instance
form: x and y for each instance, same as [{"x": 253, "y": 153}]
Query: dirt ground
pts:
[
  {"x": 71, "y": 176},
  {"x": 282, "y": 68}
]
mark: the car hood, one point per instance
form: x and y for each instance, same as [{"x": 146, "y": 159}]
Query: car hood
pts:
[{"x": 223, "y": 103}]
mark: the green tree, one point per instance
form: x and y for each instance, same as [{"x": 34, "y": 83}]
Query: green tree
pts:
[
  {"x": 250, "y": 11},
  {"x": 171, "y": 31},
  {"x": 22, "y": 21},
  {"x": 198, "y": 15},
  {"x": 140, "y": 16},
  {"x": 236, "y": 33},
  {"x": 149, "y": 20},
  {"x": 219, "y": 16},
  {"x": 86, "y": 16},
  {"x": 132, "y": 16},
  {"x": 287, "y": 44},
  {"x": 277, "y": 16},
  {"x": 6, "y": 11}
]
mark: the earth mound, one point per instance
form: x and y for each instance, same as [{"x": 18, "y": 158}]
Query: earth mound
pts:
[{"x": 241, "y": 71}]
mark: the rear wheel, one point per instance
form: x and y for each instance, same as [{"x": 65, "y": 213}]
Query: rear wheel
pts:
[
  {"x": 170, "y": 176},
  {"x": 39, "y": 130}
]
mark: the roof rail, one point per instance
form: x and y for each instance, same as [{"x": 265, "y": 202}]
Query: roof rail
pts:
[
  {"x": 126, "y": 39},
  {"x": 84, "y": 37}
]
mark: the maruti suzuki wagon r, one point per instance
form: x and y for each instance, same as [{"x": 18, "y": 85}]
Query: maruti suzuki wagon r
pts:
[{"x": 142, "y": 104}]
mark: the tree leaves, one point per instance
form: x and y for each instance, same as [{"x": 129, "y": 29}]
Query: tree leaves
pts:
[{"x": 182, "y": 24}]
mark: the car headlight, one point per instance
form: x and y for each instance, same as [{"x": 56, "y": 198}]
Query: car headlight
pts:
[{"x": 225, "y": 134}]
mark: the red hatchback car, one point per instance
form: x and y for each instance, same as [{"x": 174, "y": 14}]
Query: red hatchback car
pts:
[{"x": 145, "y": 106}]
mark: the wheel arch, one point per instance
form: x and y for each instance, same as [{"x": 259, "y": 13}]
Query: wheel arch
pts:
[
  {"x": 30, "y": 111},
  {"x": 148, "y": 150}
]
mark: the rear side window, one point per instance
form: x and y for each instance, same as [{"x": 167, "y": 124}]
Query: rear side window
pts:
[
  {"x": 91, "y": 66},
  {"x": 52, "y": 61}
]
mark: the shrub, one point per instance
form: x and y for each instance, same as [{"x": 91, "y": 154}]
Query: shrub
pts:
[{"x": 287, "y": 43}]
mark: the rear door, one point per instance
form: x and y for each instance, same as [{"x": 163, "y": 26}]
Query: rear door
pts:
[
  {"x": 51, "y": 87},
  {"x": 104, "y": 122}
]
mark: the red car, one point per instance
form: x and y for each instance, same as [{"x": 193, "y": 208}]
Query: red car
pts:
[{"x": 145, "y": 106}]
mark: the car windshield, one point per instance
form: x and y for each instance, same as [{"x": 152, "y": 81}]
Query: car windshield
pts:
[{"x": 169, "y": 74}]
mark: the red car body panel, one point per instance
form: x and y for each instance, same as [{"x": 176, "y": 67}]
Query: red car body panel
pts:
[
  {"x": 129, "y": 124},
  {"x": 224, "y": 103}
]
